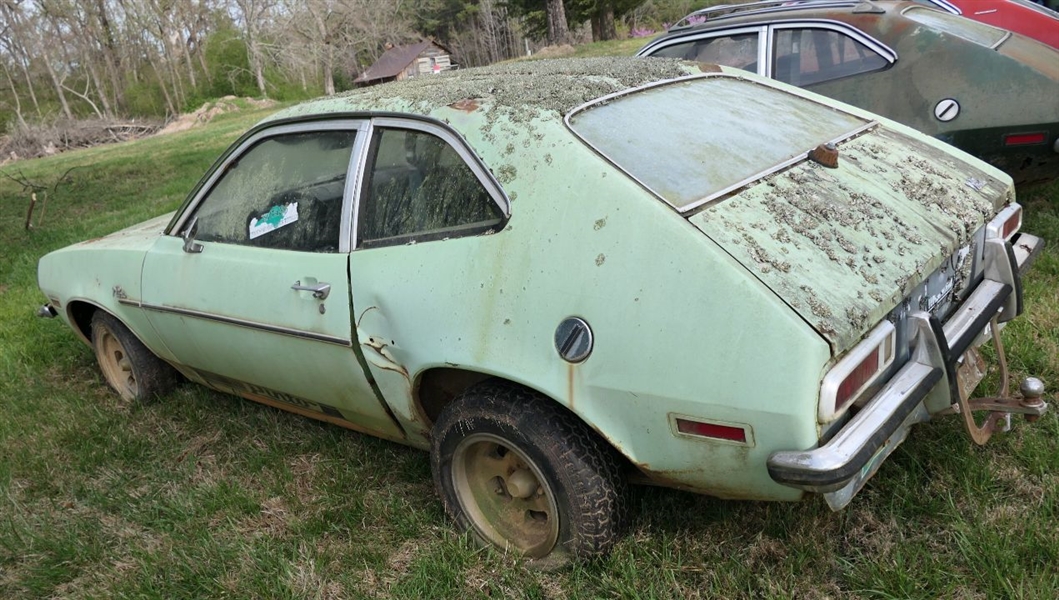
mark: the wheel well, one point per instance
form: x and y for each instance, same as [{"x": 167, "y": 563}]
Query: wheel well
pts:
[
  {"x": 439, "y": 386},
  {"x": 81, "y": 316}
]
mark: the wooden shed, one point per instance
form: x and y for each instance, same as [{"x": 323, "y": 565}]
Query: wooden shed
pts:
[{"x": 401, "y": 62}]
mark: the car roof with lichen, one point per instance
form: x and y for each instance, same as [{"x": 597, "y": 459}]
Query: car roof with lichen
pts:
[{"x": 538, "y": 86}]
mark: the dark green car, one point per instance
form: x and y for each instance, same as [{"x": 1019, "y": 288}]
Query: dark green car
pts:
[{"x": 985, "y": 90}]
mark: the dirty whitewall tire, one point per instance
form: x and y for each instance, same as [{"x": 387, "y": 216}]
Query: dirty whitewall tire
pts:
[
  {"x": 523, "y": 474},
  {"x": 128, "y": 367}
]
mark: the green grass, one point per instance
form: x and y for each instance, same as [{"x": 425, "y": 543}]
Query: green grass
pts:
[{"x": 206, "y": 495}]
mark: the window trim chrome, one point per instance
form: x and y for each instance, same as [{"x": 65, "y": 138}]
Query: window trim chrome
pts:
[
  {"x": 884, "y": 51},
  {"x": 357, "y": 125},
  {"x": 760, "y": 30},
  {"x": 454, "y": 140}
]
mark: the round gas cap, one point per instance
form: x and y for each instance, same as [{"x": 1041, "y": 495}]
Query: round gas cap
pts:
[
  {"x": 947, "y": 110},
  {"x": 573, "y": 339}
]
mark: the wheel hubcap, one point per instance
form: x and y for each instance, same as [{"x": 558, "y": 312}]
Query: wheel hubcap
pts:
[
  {"x": 502, "y": 491},
  {"x": 116, "y": 365}
]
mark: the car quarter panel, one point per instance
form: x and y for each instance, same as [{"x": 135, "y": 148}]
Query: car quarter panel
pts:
[
  {"x": 680, "y": 328},
  {"x": 984, "y": 81}
]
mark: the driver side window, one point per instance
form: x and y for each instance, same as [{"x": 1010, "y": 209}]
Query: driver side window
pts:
[{"x": 284, "y": 193}]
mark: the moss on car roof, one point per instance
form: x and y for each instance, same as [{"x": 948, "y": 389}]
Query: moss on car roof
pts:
[{"x": 526, "y": 87}]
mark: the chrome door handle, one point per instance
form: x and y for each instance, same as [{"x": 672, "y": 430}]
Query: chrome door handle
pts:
[{"x": 319, "y": 290}]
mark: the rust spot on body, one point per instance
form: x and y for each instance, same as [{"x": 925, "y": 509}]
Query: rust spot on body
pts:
[
  {"x": 467, "y": 105},
  {"x": 571, "y": 373}
]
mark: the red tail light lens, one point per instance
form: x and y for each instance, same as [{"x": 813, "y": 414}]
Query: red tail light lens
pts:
[
  {"x": 1006, "y": 223},
  {"x": 711, "y": 430},
  {"x": 1012, "y": 224},
  {"x": 1024, "y": 139},
  {"x": 857, "y": 379},
  {"x": 862, "y": 366}
]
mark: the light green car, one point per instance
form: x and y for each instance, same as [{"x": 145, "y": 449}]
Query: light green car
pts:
[{"x": 564, "y": 276}]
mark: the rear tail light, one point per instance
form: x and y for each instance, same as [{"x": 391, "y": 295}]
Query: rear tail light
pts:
[
  {"x": 1006, "y": 223},
  {"x": 1025, "y": 139},
  {"x": 862, "y": 366}
]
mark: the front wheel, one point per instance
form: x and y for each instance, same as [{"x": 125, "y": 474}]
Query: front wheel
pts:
[
  {"x": 127, "y": 365},
  {"x": 522, "y": 474}
]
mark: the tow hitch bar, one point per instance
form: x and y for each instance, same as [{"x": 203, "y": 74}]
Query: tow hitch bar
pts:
[{"x": 1001, "y": 406}]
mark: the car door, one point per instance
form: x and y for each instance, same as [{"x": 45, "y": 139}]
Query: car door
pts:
[
  {"x": 427, "y": 207},
  {"x": 256, "y": 300}
]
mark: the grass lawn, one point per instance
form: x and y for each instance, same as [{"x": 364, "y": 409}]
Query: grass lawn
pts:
[{"x": 205, "y": 495}]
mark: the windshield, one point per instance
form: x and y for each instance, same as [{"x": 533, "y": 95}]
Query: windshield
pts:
[
  {"x": 694, "y": 140},
  {"x": 972, "y": 31}
]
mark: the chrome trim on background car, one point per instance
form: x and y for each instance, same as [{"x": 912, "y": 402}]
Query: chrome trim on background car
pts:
[{"x": 865, "y": 440}]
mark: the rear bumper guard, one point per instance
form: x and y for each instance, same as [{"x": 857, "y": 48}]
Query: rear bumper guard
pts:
[{"x": 856, "y": 450}]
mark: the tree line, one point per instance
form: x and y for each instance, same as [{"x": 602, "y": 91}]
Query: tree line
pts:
[{"x": 126, "y": 58}]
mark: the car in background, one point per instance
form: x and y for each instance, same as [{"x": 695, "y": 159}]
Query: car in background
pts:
[
  {"x": 556, "y": 280},
  {"x": 1021, "y": 16},
  {"x": 987, "y": 91}
]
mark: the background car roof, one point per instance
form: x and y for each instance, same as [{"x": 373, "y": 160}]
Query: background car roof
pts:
[
  {"x": 534, "y": 89},
  {"x": 768, "y": 10}
]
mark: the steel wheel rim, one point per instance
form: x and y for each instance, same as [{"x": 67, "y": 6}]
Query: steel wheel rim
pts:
[
  {"x": 488, "y": 473},
  {"x": 115, "y": 363}
]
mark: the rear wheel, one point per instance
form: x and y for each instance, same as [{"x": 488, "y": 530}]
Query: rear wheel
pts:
[
  {"x": 520, "y": 473},
  {"x": 127, "y": 365}
]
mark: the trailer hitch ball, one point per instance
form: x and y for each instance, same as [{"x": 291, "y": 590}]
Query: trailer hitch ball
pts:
[{"x": 1031, "y": 389}]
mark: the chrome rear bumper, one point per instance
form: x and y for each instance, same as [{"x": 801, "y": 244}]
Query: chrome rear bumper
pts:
[{"x": 852, "y": 455}]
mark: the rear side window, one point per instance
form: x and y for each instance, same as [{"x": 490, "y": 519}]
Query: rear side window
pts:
[
  {"x": 419, "y": 188},
  {"x": 807, "y": 56},
  {"x": 739, "y": 51},
  {"x": 972, "y": 31}
]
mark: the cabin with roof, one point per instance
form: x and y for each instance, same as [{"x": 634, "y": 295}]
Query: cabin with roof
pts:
[{"x": 403, "y": 62}]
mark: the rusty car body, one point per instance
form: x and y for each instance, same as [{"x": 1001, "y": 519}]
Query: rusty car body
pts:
[
  {"x": 560, "y": 276},
  {"x": 985, "y": 90}
]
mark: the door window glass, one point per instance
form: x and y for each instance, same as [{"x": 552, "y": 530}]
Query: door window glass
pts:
[
  {"x": 284, "y": 193},
  {"x": 808, "y": 56},
  {"x": 739, "y": 51},
  {"x": 420, "y": 188}
]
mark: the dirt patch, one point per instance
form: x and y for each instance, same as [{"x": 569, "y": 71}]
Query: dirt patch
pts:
[
  {"x": 555, "y": 51},
  {"x": 208, "y": 111}
]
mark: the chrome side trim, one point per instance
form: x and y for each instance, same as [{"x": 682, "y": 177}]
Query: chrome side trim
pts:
[{"x": 308, "y": 335}]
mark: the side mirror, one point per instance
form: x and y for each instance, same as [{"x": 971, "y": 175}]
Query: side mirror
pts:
[{"x": 190, "y": 246}]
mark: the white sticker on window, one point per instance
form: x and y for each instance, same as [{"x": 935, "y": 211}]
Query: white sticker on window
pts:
[{"x": 276, "y": 217}]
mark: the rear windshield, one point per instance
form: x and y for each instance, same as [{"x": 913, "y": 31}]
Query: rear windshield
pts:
[
  {"x": 692, "y": 141},
  {"x": 972, "y": 31}
]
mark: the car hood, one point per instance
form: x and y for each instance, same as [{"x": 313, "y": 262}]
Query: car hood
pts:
[
  {"x": 844, "y": 246},
  {"x": 138, "y": 237}
]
